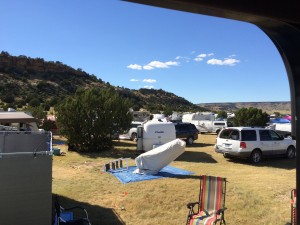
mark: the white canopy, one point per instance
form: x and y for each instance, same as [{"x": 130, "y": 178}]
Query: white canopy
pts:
[{"x": 16, "y": 117}]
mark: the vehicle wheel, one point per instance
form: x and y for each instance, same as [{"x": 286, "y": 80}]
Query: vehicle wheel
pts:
[
  {"x": 256, "y": 156},
  {"x": 133, "y": 137},
  {"x": 190, "y": 140},
  {"x": 226, "y": 156},
  {"x": 291, "y": 152}
]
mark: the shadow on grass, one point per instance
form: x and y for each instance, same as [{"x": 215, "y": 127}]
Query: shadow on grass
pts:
[
  {"x": 189, "y": 156},
  {"x": 128, "y": 144},
  {"x": 275, "y": 162},
  {"x": 114, "y": 153},
  {"x": 97, "y": 214},
  {"x": 199, "y": 145}
]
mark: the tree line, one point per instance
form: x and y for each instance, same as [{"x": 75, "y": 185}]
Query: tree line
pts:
[{"x": 91, "y": 118}]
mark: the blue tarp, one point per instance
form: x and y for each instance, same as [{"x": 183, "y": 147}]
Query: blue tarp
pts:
[
  {"x": 280, "y": 120},
  {"x": 127, "y": 176}
]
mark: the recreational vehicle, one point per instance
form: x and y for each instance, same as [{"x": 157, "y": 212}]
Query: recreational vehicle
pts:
[
  {"x": 206, "y": 122},
  {"x": 154, "y": 133}
]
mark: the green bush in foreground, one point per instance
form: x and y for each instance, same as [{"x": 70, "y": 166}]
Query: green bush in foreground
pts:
[{"x": 91, "y": 117}]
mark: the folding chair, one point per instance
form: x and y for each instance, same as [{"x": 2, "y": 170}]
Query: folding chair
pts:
[
  {"x": 64, "y": 216},
  {"x": 211, "y": 206},
  {"x": 293, "y": 207}
]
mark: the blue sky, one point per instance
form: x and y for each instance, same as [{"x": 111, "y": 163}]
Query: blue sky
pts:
[{"x": 200, "y": 58}]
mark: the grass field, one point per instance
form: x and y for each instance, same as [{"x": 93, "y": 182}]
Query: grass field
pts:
[{"x": 256, "y": 194}]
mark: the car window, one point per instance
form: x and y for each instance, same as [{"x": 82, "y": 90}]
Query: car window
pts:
[
  {"x": 179, "y": 127},
  {"x": 192, "y": 127},
  {"x": 275, "y": 136},
  {"x": 248, "y": 135},
  {"x": 134, "y": 125},
  {"x": 229, "y": 124},
  {"x": 265, "y": 135},
  {"x": 219, "y": 123},
  {"x": 230, "y": 134}
]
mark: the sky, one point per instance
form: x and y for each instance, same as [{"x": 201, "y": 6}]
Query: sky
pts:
[{"x": 203, "y": 59}]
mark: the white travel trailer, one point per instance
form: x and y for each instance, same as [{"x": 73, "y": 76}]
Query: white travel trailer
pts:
[
  {"x": 154, "y": 133},
  {"x": 205, "y": 122}
]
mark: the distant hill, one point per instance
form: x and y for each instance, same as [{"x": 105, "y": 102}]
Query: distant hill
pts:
[
  {"x": 268, "y": 107},
  {"x": 24, "y": 80}
]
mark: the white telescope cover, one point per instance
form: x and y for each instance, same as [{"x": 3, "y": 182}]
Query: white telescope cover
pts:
[{"x": 153, "y": 161}]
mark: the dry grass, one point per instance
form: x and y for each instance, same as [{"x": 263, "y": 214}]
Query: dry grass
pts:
[{"x": 256, "y": 194}]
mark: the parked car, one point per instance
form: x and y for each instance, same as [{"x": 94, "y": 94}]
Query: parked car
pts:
[
  {"x": 253, "y": 143},
  {"x": 187, "y": 132},
  {"x": 132, "y": 132},
  {"x": 218, "y": 125}
]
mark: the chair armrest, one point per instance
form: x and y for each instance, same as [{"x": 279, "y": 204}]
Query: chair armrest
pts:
[
  {"x": 191, "y": 204},
  {"x": 220, "y": 211}
]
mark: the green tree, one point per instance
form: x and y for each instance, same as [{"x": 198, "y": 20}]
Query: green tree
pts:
[
  {"x": 35, "y": 102},
  {"x": 8, "y": 98},
  {"x": 250, "y": 117},
  {"x": 91, "y": 117},
  {"x": 37, "y": 112},
  {"x": 168, "y": 111},
  {"x": 222, "y": 114},
  {"x": 277, "y": 114}
]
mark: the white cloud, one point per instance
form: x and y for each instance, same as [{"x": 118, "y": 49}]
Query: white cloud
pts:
[
  {"x": 158, "y": 64},
  {"x": 149, "y": 87},
  {"x": 225, "y": 62},
  {"x": 149, "y": 80},
  {"x": 147, "y": 67},
  {"x": 161, "y": 65},
  {"x": 200, "y": 57},
  {"x": 134, "y": 80},
  {"x": 172, "y": 63},
  {"x": 134, "y": 67},
  {"x": 184, "y": 58}
]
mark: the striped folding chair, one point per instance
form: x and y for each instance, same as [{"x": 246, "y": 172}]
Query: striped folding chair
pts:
[
  {"x": 293, "y": 207},
  {"x": 211, "y": 206}
]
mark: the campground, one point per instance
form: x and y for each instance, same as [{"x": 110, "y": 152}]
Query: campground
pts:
[{"x": 256, "y": 194}]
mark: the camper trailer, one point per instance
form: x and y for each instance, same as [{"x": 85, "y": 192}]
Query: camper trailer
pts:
[
  {"x": 154, "y": 133},
  {"x": 205, "y": 122}
]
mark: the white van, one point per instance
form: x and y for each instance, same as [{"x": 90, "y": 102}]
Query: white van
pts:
[
  {"x": 217, "y": 125},
  {"x": 205, "y": 122},
  {"x": 154, "y": 133}
]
